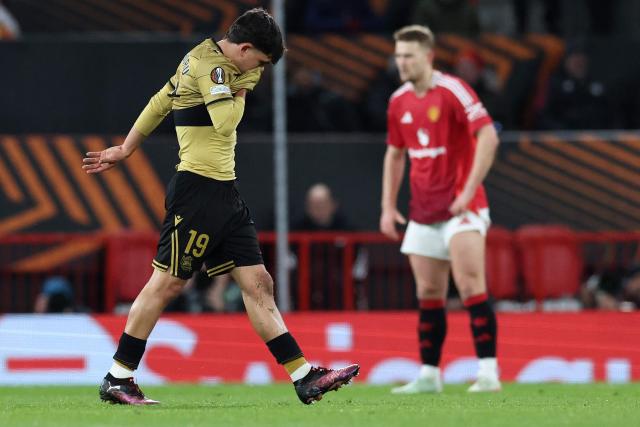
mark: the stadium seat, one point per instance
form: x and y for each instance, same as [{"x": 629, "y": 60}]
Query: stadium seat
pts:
[
  {"x": 551, "y": 261},
  {"x": 128, "y": 265},
  {"x": 502, "y": 264}
]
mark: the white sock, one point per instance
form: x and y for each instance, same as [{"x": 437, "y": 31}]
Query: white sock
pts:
[
  {"x": 429, "y": 371},
  {"x": 488, "y": 366},
  {"x": 301, "y": 372},
  {"x": 119, "y": 371}
]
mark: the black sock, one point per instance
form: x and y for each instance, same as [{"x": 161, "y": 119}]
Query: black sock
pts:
[
  {"x": 483, "y": 325},
  {"x": 130, "y": 351},
  {"x": 284, "y": 348},
  {"x": 432, "y": 329}
]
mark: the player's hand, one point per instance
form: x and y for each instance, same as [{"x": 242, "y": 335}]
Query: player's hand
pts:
[
  {"x": 247, "y": 80},
  {"x": 388, "y": 221},
  {"x": 461, "y": 202},
  {"x": 242, "y": 93},
  {"x": 100, "y": 161}
]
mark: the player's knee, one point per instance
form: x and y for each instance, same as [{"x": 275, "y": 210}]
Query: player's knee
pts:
[
  {"x": 469, "y": 284},
  {"x": 265, "y": 283},
  {"x": 428, "y": 291},
  {"x": 260, "y": 285}
]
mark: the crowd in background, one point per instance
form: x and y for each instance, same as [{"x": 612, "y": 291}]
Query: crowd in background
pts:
[
  {"x": 574, "y": 97},
  {"x": 465, "y": 17}
]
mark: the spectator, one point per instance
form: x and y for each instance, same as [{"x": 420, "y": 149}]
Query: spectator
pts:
[
  {"x": 310, "y": 108},
  {"x": 631, "y": 289},
  {"x": 302, "y": 96},
  {"x": 376, "y": 97},
  {"x": 497, "y": 16},
  {"x": 350, "y": 16},
  {"x": 552, "y": 13},
  {"x": 613, "y": 290},
  {"x": 321, "y": 211},
  {"x": 295, "y": 15},
  {"x": 448, "y": 16},
  {"x": 398, "y": 14},
  {"x": 575, "y": 99},
  {"x": 9, "y": 27},
  {"x": 56, "y": 296},
  {"x": 470, "y": 67}
]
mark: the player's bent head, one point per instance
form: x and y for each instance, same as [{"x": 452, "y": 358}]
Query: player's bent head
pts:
[
  {"x": 416, "y": 33},
  {"x": 257, "y": 26}
]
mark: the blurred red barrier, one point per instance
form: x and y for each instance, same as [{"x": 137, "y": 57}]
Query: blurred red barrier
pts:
[
  {"x": 502, "y": 264},
  {"x": 551, "y": 261},
  {"x": 330, "y": 270},
  {"x": 27, "y": 260}
]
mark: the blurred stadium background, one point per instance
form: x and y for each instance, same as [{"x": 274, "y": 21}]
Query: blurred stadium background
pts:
[{"x": 559, "y": 77}]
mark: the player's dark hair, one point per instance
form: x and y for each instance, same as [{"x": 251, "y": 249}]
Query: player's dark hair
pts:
[
  {"x": 416, "y": 33},
  {"x": 257, "y": 27}
]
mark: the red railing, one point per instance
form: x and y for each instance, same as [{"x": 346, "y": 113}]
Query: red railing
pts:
[
  {"x": 346, "y": 240},
  {"x": 27, "y": 260},
  {"x": 98, "y": 274}
]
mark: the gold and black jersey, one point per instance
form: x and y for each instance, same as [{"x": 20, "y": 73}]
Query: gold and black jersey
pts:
[{"x": 205, "y": 111}]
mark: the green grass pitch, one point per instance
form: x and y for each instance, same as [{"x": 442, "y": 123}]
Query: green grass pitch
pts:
[{"x": 355, "y": 406}]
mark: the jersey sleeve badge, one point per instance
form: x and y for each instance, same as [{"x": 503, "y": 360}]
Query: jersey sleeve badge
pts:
[{"x": 218, "y": 75}]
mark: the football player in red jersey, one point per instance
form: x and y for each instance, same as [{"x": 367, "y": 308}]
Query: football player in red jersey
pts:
[{"x": 438, "y": 120}]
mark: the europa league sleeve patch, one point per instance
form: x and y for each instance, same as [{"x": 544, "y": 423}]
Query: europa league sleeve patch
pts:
[{"x": 217, "y": 75}]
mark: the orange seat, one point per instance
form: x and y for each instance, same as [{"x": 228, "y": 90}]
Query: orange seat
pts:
[
  {"x": 128, "y": 265},
  {"x": 551, "y": 261},
  {"x": 502, "y": 264}
]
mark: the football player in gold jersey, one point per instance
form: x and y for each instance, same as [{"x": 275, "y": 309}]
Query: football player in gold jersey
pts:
[{"x": 207, "y": 222}]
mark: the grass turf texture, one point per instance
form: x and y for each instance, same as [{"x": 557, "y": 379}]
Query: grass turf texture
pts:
[{"x": 358, "y": 405}]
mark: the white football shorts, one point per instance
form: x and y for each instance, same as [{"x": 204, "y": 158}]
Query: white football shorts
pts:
[{"x": 433, "y": 240}]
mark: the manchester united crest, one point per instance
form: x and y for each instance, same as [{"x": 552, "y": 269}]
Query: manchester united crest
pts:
[{"x": 433, "y": 113}]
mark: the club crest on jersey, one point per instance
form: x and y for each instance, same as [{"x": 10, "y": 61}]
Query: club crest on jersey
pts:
[
  {"x": 433, "y": 113},
  {"x": 217, "y": 75},
  {"x": 185, "y": 263}
]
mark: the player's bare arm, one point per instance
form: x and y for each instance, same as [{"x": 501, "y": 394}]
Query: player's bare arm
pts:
[
  {"x": 155, "y": 111},
  {"x": 393, "y": 172},
  {"x": 100, "y": 161},
  {"x": 483, "y": 159}
]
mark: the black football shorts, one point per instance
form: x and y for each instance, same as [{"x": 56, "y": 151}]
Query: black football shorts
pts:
[{"x": 207, "y": 222}]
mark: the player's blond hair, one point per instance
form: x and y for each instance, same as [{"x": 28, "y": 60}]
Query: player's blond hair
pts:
[{"x": 416, "y": 33}]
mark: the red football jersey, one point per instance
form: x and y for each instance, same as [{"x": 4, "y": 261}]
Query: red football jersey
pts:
[{"x": 438, "y": 130}]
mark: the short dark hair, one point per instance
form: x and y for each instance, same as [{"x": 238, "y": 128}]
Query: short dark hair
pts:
[
  {"x": 257, "y": 27},
  {"x": 416, "y": 33}
]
